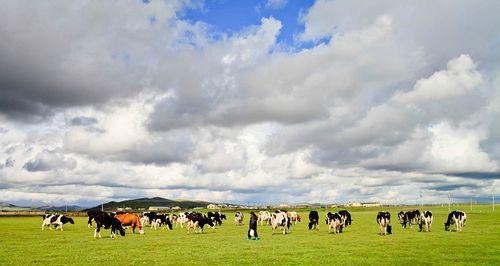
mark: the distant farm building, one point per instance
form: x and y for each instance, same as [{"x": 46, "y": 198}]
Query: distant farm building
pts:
[
  {"x": 211, "y": 206},
  {"x": 159, "y": 208}
]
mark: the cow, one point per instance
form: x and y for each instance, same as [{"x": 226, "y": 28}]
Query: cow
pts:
[
  {"x": 335, "y": 223},
  {"x": 91, "y": 215},
  {"x": 401, "y": 218},
  {"x": 294, "y": 217},
  {"x": 252, "y": 230},
  {"x": 425, "y": 221},
  {"x": 346, "y": 217},
  {"x": 279, "y": 219},
  {"x": 313, "y": 220},
  {"x": 216, "y": 217},
  {"x": 57, "y": 220},
  {"x": 384, "y": 220},
  {"x": 238, "y": 218},
  {"x": 198, "y": 220},
  {"x": 181, "y": 219},
  {"x": 103, "y": 219},
  {"x": 409, "y": 218},
  {"x": 330, "y": 217},
  {"x": 130, "y": 219},
  {"x": 146, "y": 218},
  {"x": 264, "y": 218},
  {"x": 455, "y": 217},
  {"x": 159, "y": 219}
]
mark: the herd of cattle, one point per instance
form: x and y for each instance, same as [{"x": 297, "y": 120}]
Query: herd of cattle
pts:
[{"x": 279, "y": 220}]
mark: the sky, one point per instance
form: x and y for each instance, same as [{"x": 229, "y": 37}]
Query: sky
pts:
[{"x": 261, "y": 102}]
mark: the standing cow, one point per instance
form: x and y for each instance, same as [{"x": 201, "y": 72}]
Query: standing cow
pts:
[
  {"x": 313, "y": 220},
  {"x": 103, "y": 219},
  {"x": 238, "y": 218},
  {"x": 57, "y": 220},
  {"x": 279, "y": 219},
  {"x": 264, "y": 218},
  {"x": 384, "y": 220}
]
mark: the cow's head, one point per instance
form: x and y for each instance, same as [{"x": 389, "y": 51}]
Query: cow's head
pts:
[{"x": 447, "y": 226}]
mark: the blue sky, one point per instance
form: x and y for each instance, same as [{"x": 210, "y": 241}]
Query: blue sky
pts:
[{"x": 230, "y": 17}]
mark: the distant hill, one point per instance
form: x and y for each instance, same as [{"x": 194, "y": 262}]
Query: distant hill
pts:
[
  {"x": 61, "y": 208},
  {"x": 149, "y": 202},
  {"x": 5, "y": 204}
]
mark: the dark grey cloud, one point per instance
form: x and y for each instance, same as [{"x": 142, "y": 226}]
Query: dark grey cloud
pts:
[
  {"x": 476, "y": 175},
  {"x": 49, "y": 160},
  {"x": 83, "y": 121}
]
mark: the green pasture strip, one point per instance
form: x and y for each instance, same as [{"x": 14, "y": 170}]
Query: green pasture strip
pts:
[{"x": 22, "y": 242}]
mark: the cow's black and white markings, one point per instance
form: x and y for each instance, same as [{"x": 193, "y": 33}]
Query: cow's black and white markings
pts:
[
  {"x": 57, "y": 220},
  {"x": 335, "y": 223},
  {"x": 425, "y": 221},
  {"x": 455, "y": 217},
  {"x": 216, "y": 217},
  {"x": 280, "y": 220},
  {"x": 264, "y": 218},
  {"x": 346, "y": 217},
  {"x": 384, "y": 220},
  {"x": 409, "y": 218},
  {"x": 106, "y": 221},
  {"x": 238, "y": 218},
  {"x": 198, "y": 220},
  {"x": 313, "y": 220}
]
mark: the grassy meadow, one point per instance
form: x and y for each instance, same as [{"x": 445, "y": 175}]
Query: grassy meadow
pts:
[{"x": 23, "y": 242}]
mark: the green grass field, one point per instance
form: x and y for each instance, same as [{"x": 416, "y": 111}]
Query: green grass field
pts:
[{"x": 23, "y": 242}]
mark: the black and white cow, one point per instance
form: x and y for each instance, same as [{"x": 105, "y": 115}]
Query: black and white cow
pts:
[
  {"x": 335, "y": 223},
  {"x": 91, "y": 215},
  {"x": 264, "y": 218},
  {"x": 198, "y": 220},
  {"x": 280, "y": 219},
  {"x": 384, "y": 220},
  {"x": 456, "y": 217},
  {"x": 157, "y": 220},
  {"x": 57, "y": 220},
  {"x": 106, "y": 220},
  {"x": 409, "y": 218},
  {"x": 346, "y": 217},
  {"x": 425, "y": 221},
  {"x": 216, "y": 217},
  {"x": 238, "y": 218},
  {"x": 313, "y": 220}
]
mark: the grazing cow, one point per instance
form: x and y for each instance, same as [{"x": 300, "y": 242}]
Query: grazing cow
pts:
[
  {"x": 346, "y": 217},
  {"x": 425, "y": 221},
  {"x": 384, "y": 220},
  {"x": 216, "y": 217},
  {"x": 198, "y": 220},
  {"x": 57, "y": 220},
  {"x": 238, "y": 218},
  {"x": 313, "y": 220},
  {"x": 103, "y": 219},
  {"x": 409, "y": 218},
  {"x": 264, "y": 218},
  {"x": 279, "y": 219},
  {"x": 455, "y": 217},
  {"x": 252, "y": 230},
  {"x": 335, "y": 223},
  {"x": 130, "y": 219}
]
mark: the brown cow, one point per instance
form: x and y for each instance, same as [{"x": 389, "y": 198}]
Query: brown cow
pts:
[{"x": 130, "y": 219}]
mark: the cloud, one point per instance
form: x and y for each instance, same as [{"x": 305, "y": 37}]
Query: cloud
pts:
[
  {"x": 371, "y": 103},
  {"x": 49, "y": 160}
]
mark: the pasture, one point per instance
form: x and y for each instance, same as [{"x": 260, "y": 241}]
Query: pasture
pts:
[{"x": 23, "y": 242}]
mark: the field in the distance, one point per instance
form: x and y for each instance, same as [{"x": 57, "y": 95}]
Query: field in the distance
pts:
[{"x": 23, "y": 242}]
